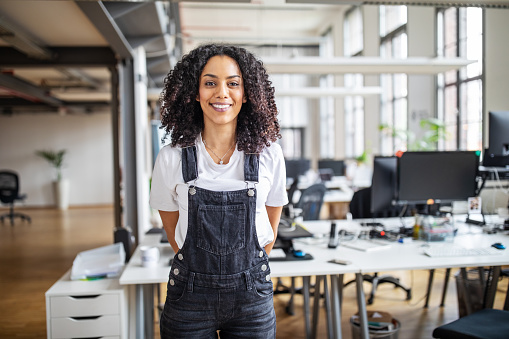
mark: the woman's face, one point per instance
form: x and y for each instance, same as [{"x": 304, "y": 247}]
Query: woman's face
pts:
[{"x": 221, "y": 92}]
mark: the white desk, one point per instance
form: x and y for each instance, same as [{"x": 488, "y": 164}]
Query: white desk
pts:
[
  {"x": 397, "y": 257},
  {"x": 143, "y": 279},
  {"x": 410, "y": 256}
]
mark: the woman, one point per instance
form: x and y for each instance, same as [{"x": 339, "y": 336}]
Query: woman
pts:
[{"x": 219, "y": 188}]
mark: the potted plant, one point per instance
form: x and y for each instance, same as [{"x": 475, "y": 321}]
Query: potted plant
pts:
[
  {"x": 434, "y": 131},
  {"x": 60, "y": 185}
]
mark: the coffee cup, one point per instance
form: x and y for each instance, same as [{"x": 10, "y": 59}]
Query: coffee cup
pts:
[{"x": 149, "y": 256}]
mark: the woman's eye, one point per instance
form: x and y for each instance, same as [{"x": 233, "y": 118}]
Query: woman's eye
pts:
[
  {"x": 234, "y": 84},
  {"x": 209, "y": 83}
]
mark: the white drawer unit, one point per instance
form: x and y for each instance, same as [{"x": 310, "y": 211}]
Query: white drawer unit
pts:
[{"x": 85, "y": 309}]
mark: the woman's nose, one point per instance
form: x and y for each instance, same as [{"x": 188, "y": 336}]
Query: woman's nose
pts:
[{"x": 222, "y": 91}]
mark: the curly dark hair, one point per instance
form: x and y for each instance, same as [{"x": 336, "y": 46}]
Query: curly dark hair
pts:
[{"x": 182, "y": 116}]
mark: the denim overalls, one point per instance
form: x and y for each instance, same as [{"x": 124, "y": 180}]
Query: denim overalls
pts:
[{"x": 220, "y": 278}]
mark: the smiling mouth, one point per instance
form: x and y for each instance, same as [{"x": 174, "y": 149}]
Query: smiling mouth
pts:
[{"x": 221, "y": 106}]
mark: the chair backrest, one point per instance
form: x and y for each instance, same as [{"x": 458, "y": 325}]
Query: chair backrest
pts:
[
  {"x": 311, "y": 201},
  {"x": 292, "y": 189},
  {"x": 360, "y": 205},
  {"x": 9, "y": 186}
]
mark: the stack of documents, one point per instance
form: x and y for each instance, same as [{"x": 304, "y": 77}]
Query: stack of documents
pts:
[{"x": 101, "y": 262}]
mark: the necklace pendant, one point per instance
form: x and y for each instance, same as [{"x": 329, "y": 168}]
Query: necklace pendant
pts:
[{"x": 220, "y": 162}]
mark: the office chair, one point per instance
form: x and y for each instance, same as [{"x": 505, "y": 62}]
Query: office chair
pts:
[
  {"x": 486, "y": 323},
  {"x": 310, "y": 202},
  {"x": 360, "y": 208},
  {"x": 288, "y": 208},
  {"x": 9, "y": 193}
]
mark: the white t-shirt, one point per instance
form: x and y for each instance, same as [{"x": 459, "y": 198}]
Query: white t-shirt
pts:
[{"x": 169, "y": 191}]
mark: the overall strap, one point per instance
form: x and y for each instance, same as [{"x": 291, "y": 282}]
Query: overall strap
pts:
[
  {"x": 189, "y": 163},
  {"x": 251, "y": 166}
]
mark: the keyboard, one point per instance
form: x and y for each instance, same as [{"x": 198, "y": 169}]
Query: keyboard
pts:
[{"x": 452, "y": 251}]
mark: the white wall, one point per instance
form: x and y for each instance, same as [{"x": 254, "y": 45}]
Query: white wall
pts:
[{"x": 88, "y": 163}]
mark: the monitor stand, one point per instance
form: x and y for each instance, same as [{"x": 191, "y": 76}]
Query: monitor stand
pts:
[{"x": 476, "y": 222}]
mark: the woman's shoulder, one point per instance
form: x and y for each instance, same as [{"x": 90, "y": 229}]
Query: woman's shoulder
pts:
[
  {"x": 170, "y": 153},
  {"x": 273, "y": 151}
]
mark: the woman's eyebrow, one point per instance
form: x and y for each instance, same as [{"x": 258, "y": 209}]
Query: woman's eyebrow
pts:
[{"x": 215, "y": 76}]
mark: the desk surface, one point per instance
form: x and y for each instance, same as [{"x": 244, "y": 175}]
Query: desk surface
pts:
[
  {"x": 399, "y": 256},
  {"x": 410, "y": 256}
]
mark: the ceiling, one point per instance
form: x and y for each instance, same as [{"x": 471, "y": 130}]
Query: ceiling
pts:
[{"x": 55, "y": 56}]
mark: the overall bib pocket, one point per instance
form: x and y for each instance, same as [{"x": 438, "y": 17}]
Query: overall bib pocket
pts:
[
  {"x": 222, "y": 229},
  {"x": 176, "y": 288}
]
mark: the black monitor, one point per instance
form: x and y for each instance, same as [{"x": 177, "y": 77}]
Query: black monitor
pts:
[
  {"x": 338, "y": 166},
  {"x": 297, "y": 167},
  {"x": 383, "y": 184},
  {"x": 498, "y": 132},
  {"x": 437, "y": 177}
]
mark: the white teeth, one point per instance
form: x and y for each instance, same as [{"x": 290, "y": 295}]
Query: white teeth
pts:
[{"x": 221, "y": 106}]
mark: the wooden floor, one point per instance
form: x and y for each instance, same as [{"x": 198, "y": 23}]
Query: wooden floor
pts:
[{"x": 33, "y": 256}]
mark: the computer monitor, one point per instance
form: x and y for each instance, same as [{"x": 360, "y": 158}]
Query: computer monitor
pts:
[
  {"x": 338, "y": 166},
  {"x": 497, "y": 153},
  {"x": 383, "y": 184},
  {"x": 443, "y": 177},
  {"x": 297, "y": 167},
  {"x": 498, "y": 138}
]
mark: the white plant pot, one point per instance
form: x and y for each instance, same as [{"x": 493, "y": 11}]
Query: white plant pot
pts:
[{"x": 61, "y": 190}]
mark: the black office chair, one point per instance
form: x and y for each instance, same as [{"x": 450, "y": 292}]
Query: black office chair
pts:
[
  {"x": 310, "y": 202},
  {"x": 9, "y": 193},
  {"x": 360, "y": 208},
  {"x": 288, "y": 208},
  {"x": 486, "y": 323}
]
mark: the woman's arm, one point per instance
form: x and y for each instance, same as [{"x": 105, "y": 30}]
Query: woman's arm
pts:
[
  {"x": 274, "y": 216},
  {"x": 170, "y": 223}
]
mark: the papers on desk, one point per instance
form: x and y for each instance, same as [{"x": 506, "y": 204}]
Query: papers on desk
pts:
[
  {"x": 102, "y": 262},
  {"x": 366, "y": 245}
]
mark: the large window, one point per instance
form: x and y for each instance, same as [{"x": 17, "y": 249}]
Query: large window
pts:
[
  {"x": 393, "y": 44},
  {"x": 459, "y": 94}
]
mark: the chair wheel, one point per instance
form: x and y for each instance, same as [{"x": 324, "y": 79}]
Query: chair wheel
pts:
[
  {"x": 289, "y": 310},
  {"x": 409, "y": 295}
]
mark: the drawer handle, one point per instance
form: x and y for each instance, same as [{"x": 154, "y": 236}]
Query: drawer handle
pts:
[
  {"x": 88, "y": 338},
  {"x": 86, "y": 318},
  {"x": 91, "y": 296}
]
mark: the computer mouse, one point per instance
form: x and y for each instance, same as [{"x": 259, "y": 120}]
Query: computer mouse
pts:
[
  {"x": 499, "y": 246},
  {"x": 299, "y": 253}
]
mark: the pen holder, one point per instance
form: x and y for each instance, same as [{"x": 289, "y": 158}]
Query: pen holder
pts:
[{"x": 437, "y": 228}]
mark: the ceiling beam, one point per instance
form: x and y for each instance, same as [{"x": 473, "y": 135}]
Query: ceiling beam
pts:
[
  {"x": 21, "y": 42},
  {"x": 105, "y": 24},
  {"x": 63, "y": 57},
  {"x": 434, "y": 3},
  {"x": 27, "y": 91}
]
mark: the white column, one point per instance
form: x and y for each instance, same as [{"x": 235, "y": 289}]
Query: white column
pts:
[
  {"x": 496, "y": 69},
  {"x": 421, "y": 30}
]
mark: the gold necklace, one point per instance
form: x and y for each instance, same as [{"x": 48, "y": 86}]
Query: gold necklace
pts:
[{"x": 220, "y": 158}]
